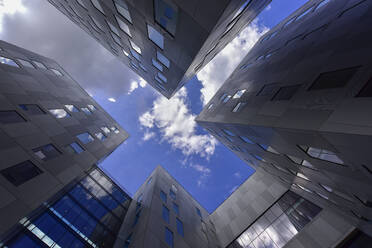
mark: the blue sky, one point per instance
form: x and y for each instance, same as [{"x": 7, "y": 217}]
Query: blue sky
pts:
[{"x": 162, "y": 132}]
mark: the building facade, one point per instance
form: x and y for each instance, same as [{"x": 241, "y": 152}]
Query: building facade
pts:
[
  {"x": 166, "y": 42},
  {"x": 51, "y": 131},
  {"x": 297, "y": 107}
]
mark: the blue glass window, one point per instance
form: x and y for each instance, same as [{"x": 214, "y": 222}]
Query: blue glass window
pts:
[
  {"x": 179, "y": 227},
  {"x": 165, "y": 213},
  {"x": 135, "y": 54},
  {"x": 166, "y": 14},
  {"x": 198, "y": 212},
  {"x": 71, "y": 108},
  {"x": 8, "y": 61},
  {"x": 164, "y": 60},
  {"x": 172, "y": 194},
  {"x": 32, "y": 109},
  {"x": 176, "y": 208},
  {"x": 136, "y": 218},
  {"x": 246, "y": 140},
  {"x": 157, "y": 65},
  {"x": 155, "y": 36},
  {"x": 163, "y": 196},
  {"x": 85, "y": 138},
  {"x": 169, "y": 237},
  {"x": 75, "y": 148},
  {"x": 46, "y": 152},
  {"x": 228, "y": 132}
]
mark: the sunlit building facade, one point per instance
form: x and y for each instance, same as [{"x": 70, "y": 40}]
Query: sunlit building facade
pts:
[
  {"x": 297, "y": 107},
  {"x": 166, "y": 42}
]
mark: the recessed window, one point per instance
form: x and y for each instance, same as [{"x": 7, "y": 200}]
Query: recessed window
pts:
[
  {"x": 32, "y": 109},
  {"x": 286, "y": 93},
  {"x": 241, "y": 9},
  {"x": 21, "y": 173},
  {"x": 157, "y": 65},
  {"x": 165, "y": 214},
  {"x": 159, "y": 81},
  {"x": 155, "y": 36},
  {"x": 123, "y": 10},
  {"x": 172, "y": 194},
  {"x": 115, "y": 130},
  {"x": 366, "y": 90},
  {"x": 8, "y": 61},
  {"x": 166, "y": 15},
  {"x": 260, "y": 57},
  {"x": 46, "y": 152},
  {"x": 163, "y": 196},
  {"x": 59, "y": 113},
  {"x": 198, "y": 212},
  {"x": 179, "y": 227},
  {"x": 7, "y": 117},
  {"x": 268, "y": 90},
  {"x": 295, "y": 159},
  {"x": 299, "y": 174},
  {"x": 303, "y": 188},
  {"x": 117, "y": 40},
  {"x": 239, "y": 106},
  {"x": 100, "y": 136},
  {"x": 245, "y": 66},
  {"x": 210, "y": 106},
  {"x": 123, "y": 26},
  {"x": 176, "y": 209},
  {"x": 169, "y": 237},
  {"x": 164, "y": 60},
  {"x": 259, "y": 158},
  {"x": 26, "y": 63},
  {"x": 134, "y": 65},
  {"x": 86, "y": 111},
  {"x": 105, "y": 129},
  {"x": 91, "y": 107},
  {"x": 81, "y": 3},
  {"x": 333, "y": 79},
  {"x": 97, "y": 23},
  {"x": 113, "y": 28},
  {"x": 136, "y": 218},
  {"x": 136, "y": 55},
  {"x": 74, "y": 148},
  {"x": 162, "y": 77},
  {"x": 268, "y": 148},
  {"x": 149, "y": 181},
  {"x": 71, "y": 108},
  {"x": 239, "y": 93},
  {"x": 228, "y": 132},
  {"x": 321, "y": 4},
  {"x": 97, "y": 5},
  {"x": 226, "y": 99},
  {"x": 39, "y": 65},
  {"x": 246, "y": 140},
  {"x": 56, "y": 72},
  {"x": 304, "y": 13},
  {"x": 323, "y": 154},
  {"x": 142, "y": 67},
  {"x": 135, "y": 47},
  {"x": 85, "y": 138},
  {"x": 289, "y": 22}
]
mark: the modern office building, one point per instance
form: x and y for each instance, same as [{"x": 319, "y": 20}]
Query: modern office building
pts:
[
  {"x": 51, "y": 131},
  {"x": 166, "y": 42},
  {"x": 298, "y": 107}
]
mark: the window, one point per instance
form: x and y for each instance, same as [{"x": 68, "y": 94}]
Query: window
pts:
[
  {"x": 157, "y": 65},
  {"x": 125, "y": 53},
  {"x": 26, "y": 63},
  {"x": 155, "y": 36},
  {"x": 113, "y": 28},
  {"x": 134, "y": 65},
  {"x": 228, "y": 132},
  {"x": 136, "y": 218},
  {"x": 162, "y": 77},
  {"x": 304, "y": 13},
  {"x": 239, "y": 106},
  {"x": 32, "y": 109},
  {"x": 169, "y": 237},
  {"x": 179, "y": 227},
  {"x": 123, "y": 26},
  {"x": 299, "y": 174},
  {"x": 333, "y": 79},
  {"x": 39, "y": 65},
  {"x": 74, "y": 148},
  {"x": 241, "y": 9},
  {"x": 259, "y": 158},
  {"x": 7, "y": 61},
  {"x": 239, "y": 93},
  {"x": 142, "y": 67},
  {"x": 81, "y": 3},
  {"x": 128, "y": 241},
  {"x": 46, "y": 152},
  {"x": 135, "y": 47},
  {"x": 163, "y": 196},
  {"x": 56, "y": 72},
  {"x": 149, "y": 181},
  {"x": 135, "y": 54},
  {"x": 323, "y": 154},
  {"x": 115, "y": 130},
  {"x": 268, "y": 148},
  {"x": 198, "y": 212},
  {"x": 226, "y": 98},
  {"x": 100, "y": 136},
  {"x": 176, "y": 209},
  {"x": 268, "y": 90},
  {"x": 85, "y": 138},
  {"x": 97, "y": 5},
  {"x": 21, "y": 173},
  {"x": 97, "y": 23},
  {"x": 7, "y": 117},
  {"x": 172, "y": 194},
  {"x": 210, "y": 106},
  {"x": 366, "y": 90},
  {"x": 123, "y": 10},
  {"x": 246, "y": 66},
  {"x": 246, "y": 140},
  {"x": 321, "y": 4},
  {"x": 91, "y": 107},
  {"x": 285, "y": 93},
  {"x": 289, "y": 22},
  {"x": 86, "y": 111},
  {"x": 59, "y": 113},
  {"x": 164, "y": 60},
  {"x": 105, "y": 129},
  {"x": 71, "y": 108},
  {"x": 166, "y": 15},
  {"x": 165, "y": 214}
]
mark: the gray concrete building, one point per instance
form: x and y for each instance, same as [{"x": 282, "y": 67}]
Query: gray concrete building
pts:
[
  {"x": 166, "y": 42},
  {"x": 51, "y": 131},
  {"x": 298, "y": 107}
]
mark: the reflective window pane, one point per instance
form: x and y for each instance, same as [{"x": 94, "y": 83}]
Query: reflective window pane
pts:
[
  {"x": 85, "y": 138},
  {"x": 21, "y": 173},
  {"x": 155, "y": 36},
  {"x": 32, "y": 109},
  {"x": 39, "y": 64},
  {"x": 164, "y": 60},
  {"x": 59, "y": 113},
  {"x": 46, "y": 152},
  {"x": 8, "y": 61},
  {"x": 72, "y": 108},
  {"x": 26, "y": 63}
]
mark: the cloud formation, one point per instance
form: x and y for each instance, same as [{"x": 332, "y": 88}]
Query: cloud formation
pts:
[
  {"x": 220, "y": 67},
  {"x": 111, "y": 99},
  {"x": 134, "y": 85},
  {"x": 204, "y": 173},
  {"x": 148, "y": 135},
  {"x": 177, "y": 126}
]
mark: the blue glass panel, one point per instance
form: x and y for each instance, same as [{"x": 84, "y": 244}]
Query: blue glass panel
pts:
[
  {"x": 22, "y": 241},
  {"x": 169, "y": 13},
  {"x": 169, "y": 237},
  {"x": 165, "y": 214},
  {"x": 179, "y": 227},
  {"x": 163, "y": 196},
  {"x": 176, "y": 208},
  {"x": 76, "y": 147}
]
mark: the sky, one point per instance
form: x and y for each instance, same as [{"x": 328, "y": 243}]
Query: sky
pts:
[{"x": 162, "y": 132}]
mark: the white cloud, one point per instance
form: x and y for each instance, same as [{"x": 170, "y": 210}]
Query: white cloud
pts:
[
  {"x": 111, "y": 99},
  {"x": 268, "y": 7},
  {"x": 148, "y": 135},
  {"x": 217, "y": 70},
  {"x": 237, "y": 175},
  {"x": 134, "y": 85},
  {"x": 204, "y": 173},
  {"x": 177, "y": 126},
  {"x": 10, "y": 7}
]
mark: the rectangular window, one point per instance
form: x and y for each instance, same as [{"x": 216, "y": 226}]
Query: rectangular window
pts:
[
  {"x": 123, "y": 10},
  {"x": 7, "y": 117},
  {"x": 136, "y": 218},
  {"x": 169, "y": 237},
  {"x": 165, "y": 214},
  {"x": 285, "y": 93},
  {"x": 333, "y": 79},
  {"x": 21, "y": 173},
  {"x": 166, "y": 15},
  {"x": 85, "y": 138},
  {"x": 172, "y": 194},
  {"x": 100, "y": 136},
  {"x": 39, "y": 64},
  {"x": 157, "y": 65},
  {"x": 8, "y": 61},
  {"x": 366, "y": 90},
  {"x": 86, "y": 111},
  {"x": 26, "y": 63},
  {"x": 163, "y": 196},
  {"x": 59, "y": 113},
  {"x": 105, "y": 129},
  {"x": 74, "y": 148},
  {"x": 164, "y": 60},
  {"x": 46, "y": 152},
  {"x": 155, "y": 36},
  {"x": 162, "y": 77},
  {"x": 71, "y": 108},
  {"x": 176, "y": 209},
  {"x": 239, "y": 106},
  {"x": 239, "y": 93},
  {"x": 268, "y": 90},
  {"x": 228, "y": 132},
  {"x": 32, "y": 109},
  {"x": 198, "y": 212},
  {"x": 179, "y": 227}
]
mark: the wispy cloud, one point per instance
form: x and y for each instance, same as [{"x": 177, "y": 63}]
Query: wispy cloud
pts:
[
  {"x": 216, "y": 72},
  {"x": 204, "y": 173},
  {"x": 10, "y": 7},
  {"x": 176, "y": 124},
  {"x": 111, "y": 99},
  {"x": 148, "y": 135},
  {"x": 237, "y": 175},
  {"x": 135, "y": 84}
]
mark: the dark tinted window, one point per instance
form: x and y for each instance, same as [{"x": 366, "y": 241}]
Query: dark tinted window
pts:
[
  {"x": 333, "y": 79},
  {"x": 268, "y": 90},
  {"x": 46, "y": 152},
  {"x": 165, "y": 214},
  {"x": 32, "y": 109},
  {"x": 163, "y": 196},
  {"x": 285, "y": 93},
  {"x": 166, "y": 14},
  {"x": 7, "y": 117},
  {"x": 176, "y": 208},
  {"x": 169, "y": 237},
  {"x": 179, "y": 227},
  {"x": 366, "y": 90},
  {"x": 21, "y": 173},
  {"x": 74, "y": 148}
]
